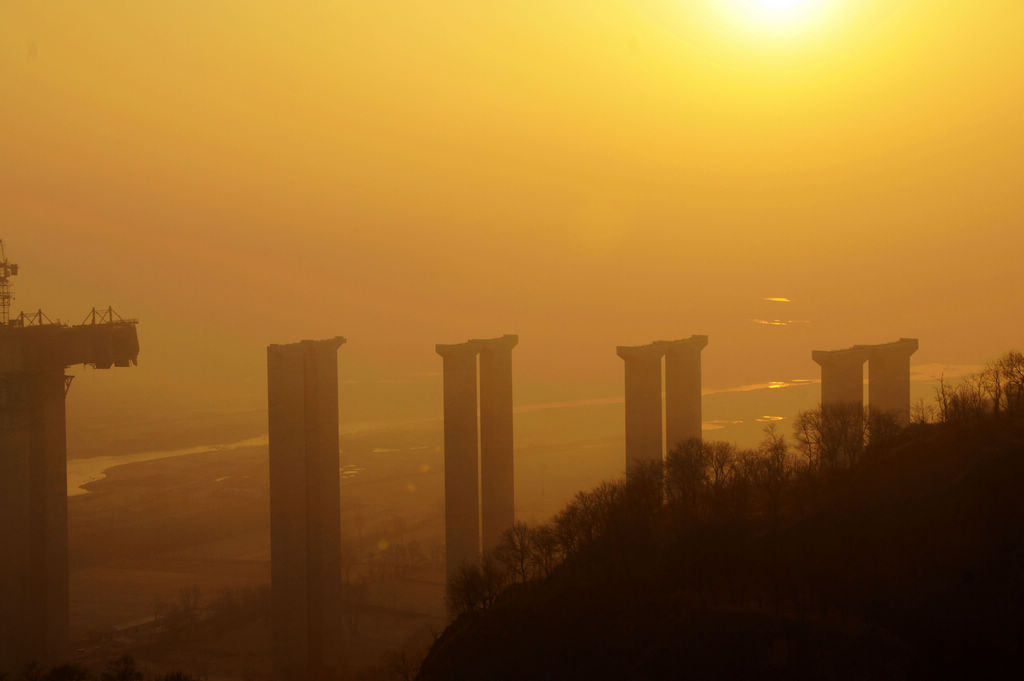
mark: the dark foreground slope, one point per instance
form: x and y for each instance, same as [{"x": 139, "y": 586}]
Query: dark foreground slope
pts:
[{"x": 908, "y": 565}]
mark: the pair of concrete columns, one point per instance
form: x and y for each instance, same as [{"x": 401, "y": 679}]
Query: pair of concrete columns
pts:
[
  {"x": 842, "y": 377},
  {"x": 479, "y": 490},
  {"x": 646, "y": 436}
]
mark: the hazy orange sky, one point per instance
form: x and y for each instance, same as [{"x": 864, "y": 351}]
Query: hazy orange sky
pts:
[{"x": 584, "y": 173}]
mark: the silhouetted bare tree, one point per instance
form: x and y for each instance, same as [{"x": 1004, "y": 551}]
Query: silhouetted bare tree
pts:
[
  {"x": 64, "y": 672},
  {"x": 546, "y": 551},
  {"x": 586, "y": 516},
  {"x": 475, "y": 587},
  {"x": 122, "y": 669},
  {"x": 465, "y": 592},
  {"x": 686, "y": 476},
  {"x": 68, "y": 672},
  {"x": 922, "y": 412},
  {"x": 1011, "y": 368},
  {"x": 773, "y": 468},
  {"x": 882, "y": 430},
  {"x": 964, "y": 403},
  {"x": 997, "y": 390},
  {"x": 831, "y": 437},
  {"x": 515, "y": 552}
]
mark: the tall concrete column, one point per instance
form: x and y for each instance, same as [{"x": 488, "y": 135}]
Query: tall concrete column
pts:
[
  {"x": 33, "y": 452},
  {"x": 305, "y": 509},
  {"x": 497, "y": 483},
  {"x": 16, "y": 574},
  {"x": 643, "y": 403},
  {"x": 842, "y": 376},
  {"x": 889, "y": 378},
  {"x": 33, "y": 477},
  {"x": 50, "y": 515},
  {"x": 683, "y": 417},
  {"x": 461, "y": 451}
]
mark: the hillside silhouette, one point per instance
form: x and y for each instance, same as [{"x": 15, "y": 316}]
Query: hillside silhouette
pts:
[{"x": 862, "y": 550}]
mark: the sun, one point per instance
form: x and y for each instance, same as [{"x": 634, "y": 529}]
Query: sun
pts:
[
  {"x": 778, "y": 13},
  {"x": 778, "y": 16}
]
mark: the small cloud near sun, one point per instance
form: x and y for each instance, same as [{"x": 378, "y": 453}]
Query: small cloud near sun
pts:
[
  {"x": 778, "y": 300},
  {"x": 780, "y": 322}
]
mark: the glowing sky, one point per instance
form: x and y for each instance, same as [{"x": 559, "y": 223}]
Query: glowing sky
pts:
[{"x": 584, "y": 173}]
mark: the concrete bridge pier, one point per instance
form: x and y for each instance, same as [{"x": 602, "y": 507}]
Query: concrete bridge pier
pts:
[
  {"x": 497, "y": 483},
  {"x": 842, "y": 376},
  {"x": 683, "y": 416},
  {"x": 644, "y": 441},
  {"x": 461, "y": 456},
  {"x": 889, "y": 379}
]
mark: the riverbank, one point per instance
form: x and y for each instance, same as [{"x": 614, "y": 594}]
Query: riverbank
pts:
[{"x": 153, "y": 531}]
